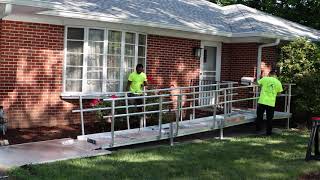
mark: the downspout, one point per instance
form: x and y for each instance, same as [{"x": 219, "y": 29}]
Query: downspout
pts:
[
  {"x": 6, "y": 11},
  {"x": 260, "y": 55}
]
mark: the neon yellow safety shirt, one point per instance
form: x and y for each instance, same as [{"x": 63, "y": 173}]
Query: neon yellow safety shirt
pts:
[
  {"x": 137, "y": 81},
  {"x": 271, "y": 86}
]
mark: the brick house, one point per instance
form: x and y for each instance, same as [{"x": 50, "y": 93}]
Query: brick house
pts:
[{"x": 51, "y": 51}]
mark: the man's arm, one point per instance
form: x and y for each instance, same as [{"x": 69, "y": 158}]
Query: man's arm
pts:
[
  {"x": 128, "y": 85},
  {"x": 145, "y": 82}
]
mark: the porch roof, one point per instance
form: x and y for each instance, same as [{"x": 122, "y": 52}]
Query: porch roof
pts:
[{"x": 197, "y": 16}]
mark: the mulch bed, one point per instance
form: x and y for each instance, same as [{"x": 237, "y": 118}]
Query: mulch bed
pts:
[
  {"x": 18, "y": 136},
  {"x": 310, "y": 176}
]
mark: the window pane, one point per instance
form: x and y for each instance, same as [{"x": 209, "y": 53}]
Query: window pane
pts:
[
  {"x": 130, "y": 38},
  {"x": 94, "y": 86},
  {"x": 114, "y": 36},
  {"x": 75, "y": 33},
  {"x": 129, "y": 62},
  {"x": 129, "y": 50},
  {"x": 142, "y": 39},
  {"x": 114, "y": 61},
  {"x": 96, "y": 35},
  {"x": 74, "y": 73},
  {"x": 113, "y": 73},
  {"x": 73, "y": 86},
  {"x": 75, "y": 46},
  {"x": 142, "y": 61},
  {"x": 95, "y": 60},
  {"x": 126, "y": 76},
  {"x": 74, "y": 59},
  {"x": 113, "y": 86},
  {"x": 142, "y": 51},
  {"x": 114, "y": 48},
  {"x": 95, "y": 47},
  {"x": 94, "y": 73}
]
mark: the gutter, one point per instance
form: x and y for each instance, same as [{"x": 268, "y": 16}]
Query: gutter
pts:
[{"x": 260, "y": 56}]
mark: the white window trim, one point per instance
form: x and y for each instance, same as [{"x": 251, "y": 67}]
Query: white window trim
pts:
[{"x": 65, "y": 94}]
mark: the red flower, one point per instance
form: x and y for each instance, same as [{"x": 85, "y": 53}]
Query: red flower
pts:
[
  {"x": 149, "y": 78},
  {"x": 114, "y": 96},
  {"x": 94, "y": 102}
]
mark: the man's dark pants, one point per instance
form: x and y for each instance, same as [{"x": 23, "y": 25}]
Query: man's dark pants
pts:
[{"x": 270, "y": 113}]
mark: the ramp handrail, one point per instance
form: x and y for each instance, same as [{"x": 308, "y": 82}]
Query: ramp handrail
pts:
[{"x": 220, "y": 95}]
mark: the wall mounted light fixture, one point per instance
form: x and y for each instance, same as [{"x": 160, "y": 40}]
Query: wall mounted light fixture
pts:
[{"x": 197, "y": 52}]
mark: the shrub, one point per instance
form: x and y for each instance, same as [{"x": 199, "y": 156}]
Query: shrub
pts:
[{"x": 300, "y": 64}]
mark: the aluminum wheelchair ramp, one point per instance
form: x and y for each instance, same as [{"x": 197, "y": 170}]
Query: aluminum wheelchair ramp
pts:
[
  {"x": 225, "y": 102},
  {"x": 153, "y": 133}
]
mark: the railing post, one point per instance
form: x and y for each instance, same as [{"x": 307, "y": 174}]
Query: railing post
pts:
[
  {"x": 214, "y": 109},
  {"x": 218, "y": 89},
  {"x": 144, "y": 109},
  {"x": 112, "y": 122},
  {"x": 127, "y": 110},
  {"x": 289, "y": 102},
  {"x": 171, "y": 134},
  {"x": 180, "y": 106},
  {"x": 178, "y": 113},
  {"x": 160, "y": 116},
  {"x": 81, "y": 115},
  {"x": 231, "y": 97},
  {"x": 225, "y": 113},
  {"x": 194, "y": 104},
  {"x": 256, "y": 94}
]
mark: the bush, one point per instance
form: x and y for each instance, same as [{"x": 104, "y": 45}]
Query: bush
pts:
[{"x": 300, "y": 64}]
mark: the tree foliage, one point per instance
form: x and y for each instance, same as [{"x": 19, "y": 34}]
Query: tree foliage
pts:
[
  {"x": 300, "y": 64},
  {"x": 306, "y": 12}
]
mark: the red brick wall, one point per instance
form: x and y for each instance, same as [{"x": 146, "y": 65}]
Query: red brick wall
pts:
[
  {"x": 170, "y": 61},
  {"x": 31, "y": 75},
  {"x": 240, "y": 59}
]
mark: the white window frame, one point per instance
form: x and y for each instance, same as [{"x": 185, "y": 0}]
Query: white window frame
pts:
[{"x": 105, "y": 58}]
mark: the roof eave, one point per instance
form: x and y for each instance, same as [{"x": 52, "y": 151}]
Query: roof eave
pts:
[{"x": 32, "y": 3}]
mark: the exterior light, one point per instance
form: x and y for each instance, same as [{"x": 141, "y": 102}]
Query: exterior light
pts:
[{"x": 197, "y": 52}]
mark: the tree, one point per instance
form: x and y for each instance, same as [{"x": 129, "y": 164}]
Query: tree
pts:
[{"x": 300, "y": 64}]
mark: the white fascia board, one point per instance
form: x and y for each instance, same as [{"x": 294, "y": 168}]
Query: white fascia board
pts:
[{"x": 263, "y": 35}]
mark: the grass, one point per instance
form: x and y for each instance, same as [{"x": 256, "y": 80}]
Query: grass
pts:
[{"x": 252, "y": 157}]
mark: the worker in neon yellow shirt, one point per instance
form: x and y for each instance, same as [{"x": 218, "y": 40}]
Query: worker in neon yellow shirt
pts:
[
  {"x": 136, "y": 81},
  {"x": 270, "y": 88}
]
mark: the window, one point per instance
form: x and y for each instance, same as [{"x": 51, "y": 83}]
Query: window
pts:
[{"x": 100, "y": 60}]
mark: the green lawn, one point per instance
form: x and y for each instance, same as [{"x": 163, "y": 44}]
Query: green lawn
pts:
[{"x": 251, "y": 157}]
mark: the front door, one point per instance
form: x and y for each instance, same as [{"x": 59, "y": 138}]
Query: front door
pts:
[{"x": 210, "y": 70}]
